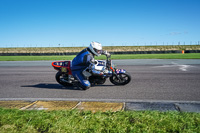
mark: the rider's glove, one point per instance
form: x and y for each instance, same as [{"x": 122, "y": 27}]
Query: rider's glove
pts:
[
  {"x": 94, "y": 71},
  {"x": 106, "y": 53}
]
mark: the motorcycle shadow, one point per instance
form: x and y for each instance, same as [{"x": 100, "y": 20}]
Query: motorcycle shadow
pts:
[
  {"x": 58, "y": 86},
  {"x": 52, "y": 86}
]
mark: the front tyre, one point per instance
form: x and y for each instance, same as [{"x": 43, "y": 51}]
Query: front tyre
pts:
[
  {"x": 60, "y": 78},
  {"x": 120, "y": 79}
]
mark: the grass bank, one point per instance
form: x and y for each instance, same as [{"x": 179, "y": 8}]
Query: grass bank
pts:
[
  {"x": 124, "y": 56},
  {"x": 109, "y": 48},
  {"x": 12, "y": 120}
]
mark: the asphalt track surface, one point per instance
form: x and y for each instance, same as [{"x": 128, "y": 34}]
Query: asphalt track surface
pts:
[{"x": 152, "y": 80}]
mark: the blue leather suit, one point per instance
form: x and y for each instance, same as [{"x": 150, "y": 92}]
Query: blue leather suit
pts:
[{"x": 79, "y": 63}]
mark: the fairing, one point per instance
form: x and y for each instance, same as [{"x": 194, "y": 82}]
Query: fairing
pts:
[{"x": 63, "y": 66}]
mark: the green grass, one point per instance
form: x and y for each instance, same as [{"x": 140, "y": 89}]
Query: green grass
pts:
[
  {"x": 123, "y": 56},
  {"x": 73, "y": 121},
  {"x": 35, "y": 58},
  {"x": 155, "y": 56}
]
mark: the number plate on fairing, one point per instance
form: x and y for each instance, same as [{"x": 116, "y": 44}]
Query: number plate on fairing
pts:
[
  {"x": 120, "y": 71},
  {"x": 64, "y": 69}
]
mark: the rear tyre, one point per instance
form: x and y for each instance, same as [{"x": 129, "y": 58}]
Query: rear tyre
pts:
[
  {"x": 60, "y": 78},
  {"x": 120, "y": 79}
]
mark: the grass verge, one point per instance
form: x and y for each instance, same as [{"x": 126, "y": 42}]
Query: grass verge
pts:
[
  {"x": 155, "y": 56},
  {"x": 121, "y": 56},
  {"x": 12, "y": 120}
]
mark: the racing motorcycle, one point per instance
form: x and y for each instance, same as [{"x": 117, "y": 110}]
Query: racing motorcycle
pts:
[{"x": 106, "y": 67}]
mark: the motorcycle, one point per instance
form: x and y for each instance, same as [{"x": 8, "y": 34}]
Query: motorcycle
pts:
[{"x": 107, "y": 70}]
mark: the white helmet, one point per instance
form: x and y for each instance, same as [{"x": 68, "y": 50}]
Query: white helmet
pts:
[{"x": 95, "y": 48}]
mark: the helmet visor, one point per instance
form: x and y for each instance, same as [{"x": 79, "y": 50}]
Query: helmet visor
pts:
[{"x": 98, "y": 51}]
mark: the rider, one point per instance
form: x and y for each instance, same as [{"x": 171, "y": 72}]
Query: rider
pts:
[{"x": 85, "y": 59}]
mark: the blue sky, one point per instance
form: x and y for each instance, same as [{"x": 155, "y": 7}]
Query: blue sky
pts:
[{"x": 44, "y": 23}]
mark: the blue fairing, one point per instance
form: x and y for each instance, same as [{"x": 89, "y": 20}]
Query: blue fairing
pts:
[{"x": 120, "y": 71}]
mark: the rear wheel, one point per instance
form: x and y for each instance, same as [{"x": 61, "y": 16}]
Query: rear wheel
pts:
[
  {"x": 62, "y": 78},
  {"x": 120, "y": 79}
]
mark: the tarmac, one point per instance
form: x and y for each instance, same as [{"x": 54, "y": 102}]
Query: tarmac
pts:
[
  {"x": 109, "y": 105},
  {"x": 102, "y": 106}
]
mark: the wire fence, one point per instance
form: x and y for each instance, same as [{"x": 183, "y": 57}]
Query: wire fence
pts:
[{"x": 153, "y": 43}]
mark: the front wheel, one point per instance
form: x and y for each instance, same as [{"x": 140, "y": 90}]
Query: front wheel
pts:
[{"x": 120, "y": 79}]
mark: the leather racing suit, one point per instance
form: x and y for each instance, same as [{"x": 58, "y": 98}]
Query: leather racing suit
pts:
[{"x": 83, "y": 60}]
